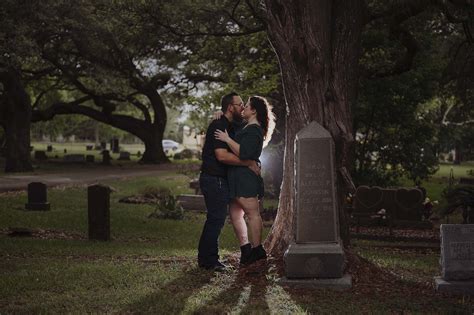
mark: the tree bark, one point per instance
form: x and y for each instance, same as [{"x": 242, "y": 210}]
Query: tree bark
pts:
[
  {"x": 154, "y": 152},
  {"x": 318, "y": 46},
  {"x": 15, "y": 114}
]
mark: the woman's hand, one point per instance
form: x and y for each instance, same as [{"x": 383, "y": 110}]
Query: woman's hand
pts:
[
  {"x": 222, "y": 135},
  {"x": 217, "y": 115}
]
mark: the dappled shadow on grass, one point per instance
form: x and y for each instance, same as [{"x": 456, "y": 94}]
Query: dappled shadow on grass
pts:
[
  {"x": 377, "y": 289},
  {"x": 245, "y": 293},
  {"x": 169, "y": 299}
]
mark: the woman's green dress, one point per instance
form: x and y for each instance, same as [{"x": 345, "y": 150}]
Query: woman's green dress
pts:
[{"x": 242, "y": 181}]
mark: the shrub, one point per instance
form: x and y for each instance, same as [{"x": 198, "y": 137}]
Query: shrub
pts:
[
  {"x": 167, "y": 206},
  {"x": 460, "y": 198}
]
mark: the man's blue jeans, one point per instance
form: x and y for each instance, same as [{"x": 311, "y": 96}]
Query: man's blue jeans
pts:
[{"x": 216, "y": 195}]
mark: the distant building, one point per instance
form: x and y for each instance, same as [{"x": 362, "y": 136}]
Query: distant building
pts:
[{"x": 191, "y": 140}]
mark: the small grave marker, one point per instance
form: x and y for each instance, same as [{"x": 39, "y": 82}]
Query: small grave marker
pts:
[
  {"x": 90, "y": 158},
  {"x": 75, "y": 158},
  {"x": 98, "y": 202},
  {"x": 124, "y": 156},
  {"x": 457, "y": 259},
  {"x": 37, "y": 197},
  {"x": 106, "y": 157},
  {"x": 40, "y": 156},
  {"x": 115, "y": 145}
]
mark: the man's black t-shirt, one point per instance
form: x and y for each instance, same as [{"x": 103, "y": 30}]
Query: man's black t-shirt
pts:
[{"x": 210, "y": 164}]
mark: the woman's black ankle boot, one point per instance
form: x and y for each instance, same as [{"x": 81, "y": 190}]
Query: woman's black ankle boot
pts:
[
  {"x": 245, "y": 252},
  {"x": 257, "y": 253}
]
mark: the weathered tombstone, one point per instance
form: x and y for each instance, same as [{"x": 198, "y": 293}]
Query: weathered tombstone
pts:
[
  {"x": 457, "y": 259},
  {"x": 49, "y": 148},
  {"x": 409, "y": 203},
  {"x": 37, "y": 197},
  {"x": 124, "y": 156},
  {"x": 317, "y": 257},
  {"x": 368, "y": 199},
  {"x": 40, "y": 155},
  {"x": 116, "y": 147},
  {"x": 75, "y": 158},
  {"x": 90, "y": 158},
  {"x": 192, "y": 202},
  {"x": 106, "y": 157},
  {"x": 194, "y": 184},
  {"x": 89, "y": 147},
  {"x": 98, "y": 205}
]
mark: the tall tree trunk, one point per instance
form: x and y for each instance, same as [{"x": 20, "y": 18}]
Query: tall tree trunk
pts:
[
  {"x": 318, "y": 46},
  {"x": 154, "y": 152},
  {"x": 154, "y": 147},
  {"x": 15, "y": 115},
  {"x": 96, "y": 133}
]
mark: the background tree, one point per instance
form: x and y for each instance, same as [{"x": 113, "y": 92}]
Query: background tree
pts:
[
  {"x": 318, "y": 44},
  {"x": 114, "y": 66},
  {"x": 17, "y": 53}
]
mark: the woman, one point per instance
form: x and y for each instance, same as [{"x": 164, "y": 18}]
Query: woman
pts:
[{"x": 246, "y": 188}]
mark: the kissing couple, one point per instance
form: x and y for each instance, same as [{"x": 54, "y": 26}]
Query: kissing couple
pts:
[{"x": 230, "y": 177}]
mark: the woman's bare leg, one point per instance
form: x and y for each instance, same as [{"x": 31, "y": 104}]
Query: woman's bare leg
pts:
[
  {"x": 250, "y": 207},
  {"x": 238, "y": 222}
]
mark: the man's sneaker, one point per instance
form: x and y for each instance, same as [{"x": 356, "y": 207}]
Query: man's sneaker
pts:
[
  {"x": 245, "y": 252},
  {"x": 218, "y": 267}
]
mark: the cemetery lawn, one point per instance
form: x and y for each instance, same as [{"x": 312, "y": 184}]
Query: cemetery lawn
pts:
[
  {"x": 150, "y": 265},
  {"x": 440, "y": 180}
]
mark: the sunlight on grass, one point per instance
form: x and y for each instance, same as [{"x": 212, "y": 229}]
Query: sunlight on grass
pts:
[
  {"x": 280, "y": 302},
  {"x": 243, "y": 300},
  {"x": 150, "y": 266},
  {"x": 208, "y": 293}
]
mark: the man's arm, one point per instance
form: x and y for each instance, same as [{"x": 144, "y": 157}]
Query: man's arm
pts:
[{"x": 229, "y": 158}]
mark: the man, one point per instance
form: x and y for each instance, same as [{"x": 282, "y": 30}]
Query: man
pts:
[{"x": 213, "y": 181}]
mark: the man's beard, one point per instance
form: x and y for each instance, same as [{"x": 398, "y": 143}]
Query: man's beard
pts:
[{"x": 237, "y": 117}]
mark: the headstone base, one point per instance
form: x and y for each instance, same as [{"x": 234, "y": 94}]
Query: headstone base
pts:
[
  {"x": 324, "y": 260},
  {"x": 36, "y": 206},
  {"x": 342, "y": 283},
  {"x": 465, "y": 287}
]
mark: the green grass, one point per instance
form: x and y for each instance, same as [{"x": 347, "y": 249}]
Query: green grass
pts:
[
  {"x": 149, "y": 266},
  {"x": 440, "y": 180},
  {"x": 413, "y": 265},
  {"x": 458, "y": 170}
]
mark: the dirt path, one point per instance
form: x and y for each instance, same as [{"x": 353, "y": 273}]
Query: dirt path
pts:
[{"x": 87, "y": 176}]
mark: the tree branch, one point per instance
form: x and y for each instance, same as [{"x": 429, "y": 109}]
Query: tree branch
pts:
[
  {"x": 38, "y": 74},
  {"x": 43, "y": 93},
  {"x": 127, "y": 123},
  {"x": 447, "y": 122},
  {"x": 49, "y": 113},
  {"x": 405, "y": 62},
  {"x": 180, "y": 33},
  {"x": 141, "y": 107}
]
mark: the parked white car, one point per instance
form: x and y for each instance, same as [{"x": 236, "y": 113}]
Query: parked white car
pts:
[{"x": 170, "y": 146}]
